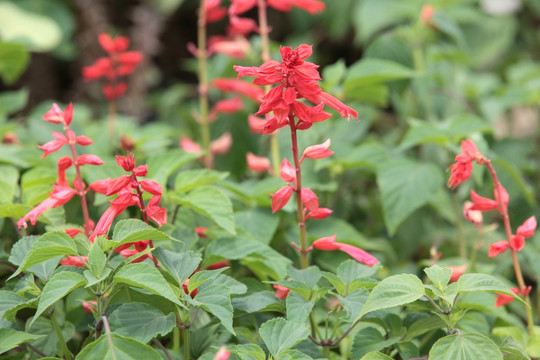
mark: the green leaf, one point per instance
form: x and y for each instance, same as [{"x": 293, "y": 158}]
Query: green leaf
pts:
[
  {"x": 201, "y": 277},
  {"x": 353, "y": 303},
  {"x": 180, "y": 265},
  {"x": 247, "y": 351},
  {"x": 439, "y": 276},
  {"x": 298, "y": 308},
  {"x": 279, "y": 334},
  {"x": 339, "y": 285},
  {"x": 211, "y": 202},
  {"x": 350, "y": 271},
  {"x": 14, "y": 59},
  {"x": 463, "y": 125},
  {"x": 10, "y": 102},
  {"x": 376, "y": 15},
  {"x": 375, "y": 355},
  {"x": 148, "y": 323},
  {"x": 296, "y": 286},
  {"x": 49, "y": 344},
  {"x": 394, "y": 291},
  {"x": 370, "y": 339},
  {"x": 60, "y": 285},
  {"x": 162, "y": 166},
  {"x": 258, "y": 302},
  {"x": 234, "y": 286},
  {"x": 9, "y": 177},
  {"x": 10, "y": 338},
  {"x": 309, "y": 276},
  {"x": 512, "y": 350},
  {"x": 465, "y": 347},
  {"x": 118, "y": 347},
  {"x": 191, "y": 179},
  {"x": 132, "y": 230},
  {"x": 10, "y": 300},
  {"x": 405, "y": 186},
  {"x": 259, "y": 224},
  {"x": 421, "y": 132},
  {"x": 48, "y": 246},
  {"x": 216, "y": 299},
  {"x": 483, "y": 282},
  {"x": 374, "y": 71},
  {"x": 97, "y": 260},
  {"x": 19, "y": 251},
  {"x": 147, "y": 277}
]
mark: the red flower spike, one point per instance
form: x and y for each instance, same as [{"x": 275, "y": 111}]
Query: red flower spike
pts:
[
  {"x": 64, "y": 163},
  {"x": 460, "y": 171},
  {"x": 330, "y": 244},
  {"x": 100, "y": 186},
  {"x": 228, "y": 106},
  {"x": 115, "y": 185},
  {"x": 320, "y": 213},
  {"x": 288, "y": 173},
  {"x": 118, "y": 205},
  {"x": 281, "y": 197},
  {"x": 151, "y": 187},
  {"x": 189, "y": 145},
  {"x": 527, "y": 228},
  {"x": 87, "y": 159},
  {"x": 59, "y": 196},
  {"x": 311, "y": 6},
  {"x": 140, "y": 170},
  {"x": 257, "y": 163},
  {"x": 156, "y": 213},
  {"x": 221, "y": 145},
  {"x": 343, "y": 110},
  {"x": 219, "y": 265},
  {"x": 83, "y": 140},
  {"x": 53, "y": 145},
  {"x": 310, "y": 200},
  {"x": 281, "y": 291},
  {"x": 517, "y": 242},
  {"x": 481, "y": 203},
  {"x": 320, "y": 151},
  {"x": 74, "y": 261},
  {"x": 498, "y": 248},
  {"x": 126, "y": 162},
  {"x": 112, "y": 92},
  {"x": 222, "y": 354},
  {"x": 55, "y": 115}
]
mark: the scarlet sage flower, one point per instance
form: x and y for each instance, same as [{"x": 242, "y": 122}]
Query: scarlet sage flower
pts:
[
  {"x": 311, "y": 6},
  {"x": 330, "y": 244},
  {"x": 296, "y": 79},
  {"x": 473, "y": 216},
  {"x": 516, "y": 242},
  {"x": 222, "y": 144},
  {"x": 89, "y": 306},
  {"x": 256, "y": 124},
  {"x": 214, "y": 11},
  {"x": 281, "y": 197},
  {"x": 189, "y": 145},
  {"x": 222, "y": 354},
  {"x": 457, "y": 271},
  {"x": 281, "y": 291},
  {"x": 503, "y": 299},
  {"x": 288, "y": 173},
  {"x": 251, "y": 91},
  {"x": 320, "y": 151},
  {"x": 118, "y": 63},
  {"x": 461, "y": 170},
  {"x": 74, "y": 261},
  {"x": 257, "y": 163}
]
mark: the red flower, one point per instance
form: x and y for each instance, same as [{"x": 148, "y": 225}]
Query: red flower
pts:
[
  {"x": 281, "y": 291},
  {"x": 186, "y": 290},
  {"x": 74, "y": 261},
  {"x": 53, "y": 145},
  {"x": 214, "y": 12},
  {"x": 311, "y": 6},
  {"x": 320, "y": 213},
  {"x": 228, "y": 106},
  {"x": 281, "y": 197},
  {"x": 257, "y": 163},
  {"x": 222, "y": 144},
  {"x": 310, "y": 200},
  {"x": 457, "y": 271},
  {"x": 427, "y": 14},
  {"x": 320, "y": 151},
  {"x": 56, "y": 116},
  {"x": 89, "y": 306},
  {"x": 222, "y": 354},
  {"x": 462, "y": 168},
  {"x": 330, "y": 244},
  {"x": 240, "y": 87},
  {"x": 118, "y": 205},
  {"x": 473, "y": 216},
  {"x": 219, "y": 265},
  {"x": 189, "y": 145},
  {"x": 503, "y": 299},
  {"x": 256, "y": 124},
  {"x": 481, "y": 203},
  {"x": 527, "y": 228},
  {"x": 59, "y": 196},
  {"x": 87, "y": 159},
  {"x": 288, "y": 173},
  {"x": 241, "y": 26},
  {"x": 498, "y": 248}
]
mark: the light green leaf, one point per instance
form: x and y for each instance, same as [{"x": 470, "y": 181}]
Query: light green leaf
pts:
[
  {"x": 421, "y": 132},
  {"x": 10, "y": 102},
  {"x": 280, "y": 335},
  {"x": 296, "y": 286},
  {"x": 235, "y": 286},
  {"x": 374, "y": 71},
  {"x": 309, "y": 276},
  {"x": 370, "y": 339},
  {"x": 10, "y": 300},
  {"x": 298, "y": 308},
  {"x": 259, "y": 224},
  {"x": 463, "y": 125},
  {"x": 375, "y": 355},
  {"x": 216, "y": 299},
  {"x": 465, "y": 347},
  {"x": 118, "y": 347},
  {"x": 19, "y": 251},
  {"x": 162, "y": 166},
  {"x": 247, "y": 351},
  {"x": 148, "y": 323},
  {"x": 394, "y": 291},
  {"x": 512, "y": 350},
  {"x": 376, "y": 15},
  {"x": 48, "y": 246},
  {"x": 48, "y": 344},
  {"x": 10, "y": 338},
  {"x": 13, "y": 61},
  {"x": 132, "y": 230},
  {"x": 258, "y": 302},
  {"x": 191, "y": 179},
  {"x": 180, "y": 265},
  {"x": 439, "y": 276},
  {"x": 405, "y": 186},
  {"x": 203, "y": 276},
  {"x": 60, "y": 285},
  {"x": 9, "y": 176},
  {"x": 353, "y": 303},
  {"x": 147, "y": 277},
  {"x": 97, "y": 260},
  {"x": 211, "y": 202},
  {"x": 351, "y": 271},
  {"x": 483, "y": 282}
]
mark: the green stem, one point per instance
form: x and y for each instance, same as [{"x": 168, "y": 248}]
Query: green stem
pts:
[
  {"x": 326, "y": 352},
  {"x": 187, "y": 345},
  {"x": 517, "y": 268},
  {"x": 65, "y": 350},
  {"x": 298, "y": 190},
  {"x": 203, "y": 85},
  {"x": 176, "y": 340}
]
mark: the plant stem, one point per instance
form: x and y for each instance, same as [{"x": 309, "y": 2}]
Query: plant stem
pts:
[
  {"x": 264, "y": 30},
  {"x": 187, "y": 345},
  {"x": 163, "y": 348},
  {"x": 517, "y": 268},
  {"x": 176, "y": 339},
  {"x": 65, "y": 350},
  {"x": 326, "y": 352},
  {"x": 203, "y": 85},
  {"x": 298, "y": 190}
]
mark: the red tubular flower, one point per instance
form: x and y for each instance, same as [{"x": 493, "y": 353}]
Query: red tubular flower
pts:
[
  {"x": 288, "y": 173},
  {"x": 257, "y": 163},
  {"x": 185, "y": 287},
  {"x": 457, "y": 271},
  {"x": 240, "y": 87},
  {"x": 237, "y": 47},
  {"x": 517, "y": 242},
  {"x": 241, "y": 26},
  {"x": 320, "y": 151},
  {"x": 189, "y": 145},
  {"x": 222, "y": 144},
  {"x": 256, "y": 124},
  {"x": 330, "y": 244},
  {"x": 118, "y": 205},
  {"x": 311, "y": 6},
  {"x": 156, "y": 213},
  {"x": 473, "y": 216},
  {"x": 58, "y": 197},
  {"x": 73, "y": 232},
  {"x": 63, "y": 164},
  {"x": 222, "y": 354},
  {"x": 83, "y": 140},
  {"x": 213, "y": 11},
  {"x": 55, "y": 115},
  {"x": 74, "y": 261},
  {"x": 152, "y": 187},
  {"x": 320, "y": 213},
  {"x": 498, "y": 248},
  {"x": 310, "y": 200},
  {"x": 503, "y": 299},
  {"x": 427, "y": 14},
  {"x": 87, "y": 159},
  {"x": 126, "y": 253},
  {"x": 89, "y": 306},
  {"x": 281, "y": 197},
  {"x": 481, "y": 203},
  {"x": 219, "y": 265},
  {"x": 227, "y": 106},
  {"x": 201, "y": 231},
  {"x": 53, "y": 145},
  {"x": 461, "y": 170},
  {"x": 281, "y": 291},
  {"x": 527, "y": 228}
]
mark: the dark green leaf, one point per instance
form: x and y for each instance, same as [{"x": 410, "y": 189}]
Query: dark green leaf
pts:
[
  {"x": 180, "y": 265},
  {"x": 10, "y": 338},
  {"x": 280, "y": 335},
  {"x": 141, "y": 322},
  {"x": 465, "y": 347},
  {"x": 370, "y": 339},
  {"x": 117, "y": 347}
]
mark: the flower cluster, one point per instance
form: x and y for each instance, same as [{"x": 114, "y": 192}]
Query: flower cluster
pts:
[
  {"x": 461, "y": 170},
  {"x": 62, "y": 190},
  {"x": 297, "y": 79},
  {"x": 517, "y": 241},
  {"x": 117, "y": 64}
]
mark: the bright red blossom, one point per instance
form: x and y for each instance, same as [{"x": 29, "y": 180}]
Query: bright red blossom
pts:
[
  {"x": 461, "y": 170},
  {"x": 330, "y": 244},
  {"x": 281, "y": 291}
]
